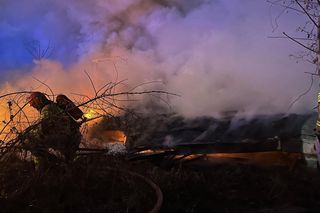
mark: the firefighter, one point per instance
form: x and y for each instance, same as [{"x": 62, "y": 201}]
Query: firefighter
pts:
[
  {"x": 317, "y": 131},
  {"x": 56, "y": 132}
]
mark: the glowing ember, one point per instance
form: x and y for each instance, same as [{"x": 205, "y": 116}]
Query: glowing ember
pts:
[
  {"x": 90, "y": 114},
  {"x": 114, "y": 136}
]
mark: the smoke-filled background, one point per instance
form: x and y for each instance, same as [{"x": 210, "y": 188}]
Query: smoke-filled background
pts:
[{"x": 215, "y": 54}]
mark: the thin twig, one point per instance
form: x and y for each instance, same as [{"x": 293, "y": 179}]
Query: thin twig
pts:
[
  {"x": 13, "y": 117},
  {"x": 289, "y": 7},
  {"x": 104, "y": 86},
  {"x": 146, "y": 83},
  {"x": 161, "y": 99},
  {"x": 276, "y": 18},
  {"x": 303, "y": 39},
  {"x": 15, "y": 93},
  {"x": 308, "y": 48},
  {"x": 301, "y": 95},
  {"x": 127, "y": 93},
  {"x": 310, "y": 73},
  {"x": 307, "y": 13},
  {"x": 41, "y": 82},
  {"x": 20, "y": 108},
  {"x": 112, "y": 85},
  {"x": 91, "y": 82}
]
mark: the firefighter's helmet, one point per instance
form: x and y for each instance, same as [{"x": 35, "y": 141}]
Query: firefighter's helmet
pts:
[{"x": 37, "y": 100}]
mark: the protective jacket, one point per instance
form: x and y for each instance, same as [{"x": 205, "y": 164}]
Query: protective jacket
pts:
[
  {"x": 57, "y": 131},
  {"x": 318, "y": 120}
]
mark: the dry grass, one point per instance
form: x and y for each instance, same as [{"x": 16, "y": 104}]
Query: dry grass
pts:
[{"x": 88, "y": 185}]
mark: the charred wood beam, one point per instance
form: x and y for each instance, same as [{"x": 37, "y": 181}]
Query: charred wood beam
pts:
[
  {"x": 150, "y": 155},
  {"x": 290, "y": 146},
  {"x": 210, "y": 148}
]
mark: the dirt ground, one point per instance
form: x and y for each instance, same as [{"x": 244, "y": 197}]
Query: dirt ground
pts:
[{"x": 265, "y": 182}]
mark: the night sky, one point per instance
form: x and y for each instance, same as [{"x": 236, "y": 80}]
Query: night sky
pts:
[{"x": 216, "y": 54}]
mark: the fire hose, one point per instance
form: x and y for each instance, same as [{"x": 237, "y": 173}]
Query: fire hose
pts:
[
  {"x": 152, "y": 185},
  {"x": 149, "y": 182}
]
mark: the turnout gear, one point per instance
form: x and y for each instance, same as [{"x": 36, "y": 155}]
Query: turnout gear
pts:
[
  {"x": 317, "y": 132},
  {"x": 318, "y": 120},
  {"x": 56, "y": 132}
]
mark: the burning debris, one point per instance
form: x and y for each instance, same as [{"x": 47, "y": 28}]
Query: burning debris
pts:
[
  {"x": 22, "y": 122},
  {"x": 53, "y": 142},
  {"x": 104, "y": 121},
  {"x": 139, "y": 136},
  {"x": 84, "y": 138}
]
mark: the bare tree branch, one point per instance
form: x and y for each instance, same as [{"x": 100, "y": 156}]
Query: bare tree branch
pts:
[
  {"x": 307, "y": 13},
  {"x": 296, "y": 38},
  {"x": 14, "y": 93},
  {"x": 302, "y": 94},
  {"x": 310, "y": 73},
  {"x": 13, "y": 117},
  {"x": 91, "y": 82},
  {"x": 288, "y": 7},
  {"x": 41, "y": 82},
  {"x": 21, "y": 109},
  {"x": 308, "y": 48}
]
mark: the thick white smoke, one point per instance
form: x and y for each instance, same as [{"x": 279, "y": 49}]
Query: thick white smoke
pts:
[{"x": 215, "y": 54}]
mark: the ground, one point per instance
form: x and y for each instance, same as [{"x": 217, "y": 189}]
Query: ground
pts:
[{"x": 99, "y": 183}]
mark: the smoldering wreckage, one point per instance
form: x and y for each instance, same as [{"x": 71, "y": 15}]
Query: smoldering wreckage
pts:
[{"x": 162, "y": 138}]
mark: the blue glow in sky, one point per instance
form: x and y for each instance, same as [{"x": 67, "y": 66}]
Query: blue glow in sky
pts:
[
  {"x": 208, "y": 43},
  {"x": 79, "y": 27}
]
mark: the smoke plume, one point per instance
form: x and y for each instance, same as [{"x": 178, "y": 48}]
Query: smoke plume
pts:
[{"x": 215, "y": 54}]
